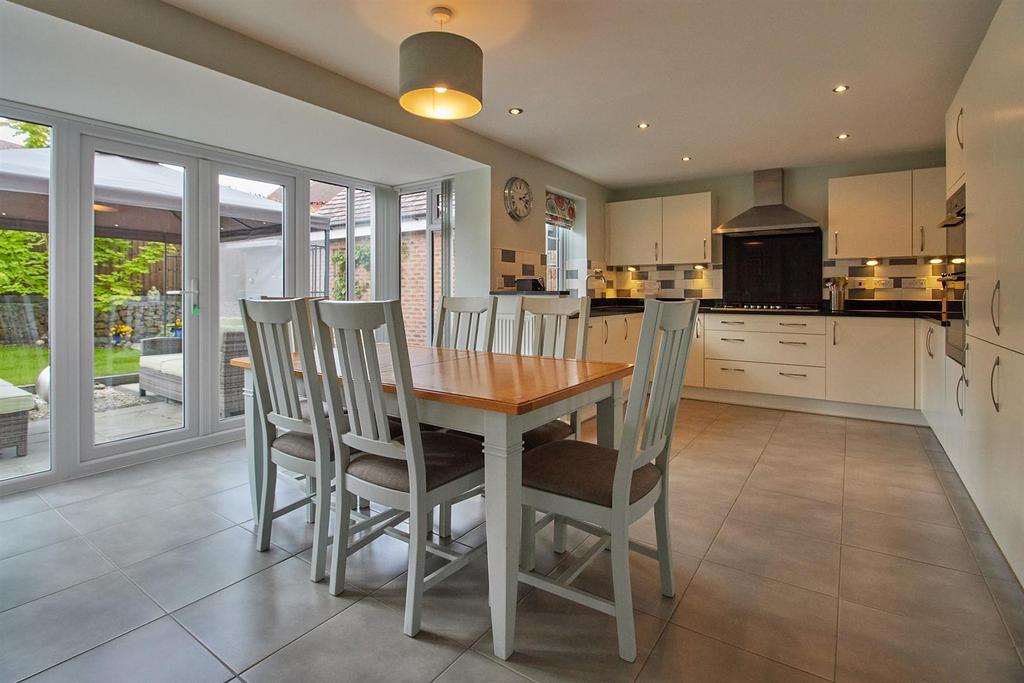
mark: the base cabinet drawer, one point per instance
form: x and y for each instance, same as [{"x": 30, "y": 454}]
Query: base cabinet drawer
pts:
[
  {"x": 765, "y": 378},
  {"x": 761, "y": 322},
  {"x": 766, "y": 347}
]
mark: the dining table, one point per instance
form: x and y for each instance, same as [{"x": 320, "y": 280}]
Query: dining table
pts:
[{"x": 499, "y": 397}]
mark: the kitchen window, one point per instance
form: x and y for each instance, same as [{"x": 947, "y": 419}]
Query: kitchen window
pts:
[{"x": 559, "y": 219}]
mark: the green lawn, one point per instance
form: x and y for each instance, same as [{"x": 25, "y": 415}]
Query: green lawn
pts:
[{"x": 20, "y": 365}]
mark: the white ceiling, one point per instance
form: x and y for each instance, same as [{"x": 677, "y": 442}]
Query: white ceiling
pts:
[{"x": 736, "y": 84}]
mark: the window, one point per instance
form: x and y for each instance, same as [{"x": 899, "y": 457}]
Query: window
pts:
[
  {"x": 421, "y": 259},
  {"x": 559, "y": 218}
]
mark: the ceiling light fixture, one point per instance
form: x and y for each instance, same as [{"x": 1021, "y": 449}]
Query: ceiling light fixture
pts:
[
  {"x": 935, "y": 261},
  {"x": 841, "y": 88},
  {"x": 515, "y": 111},
  {"x": 631, "y": 269},
  {"x": 687, "y": 158},
  {"x": 957, "y": 261},
  {"x": 699, "y": 266},
  {"x": 871, "y": 262},
  {"x": 643, "y": 125},
  {"x": 440, "y": 75},
  {"x": 843, "y": 136}
]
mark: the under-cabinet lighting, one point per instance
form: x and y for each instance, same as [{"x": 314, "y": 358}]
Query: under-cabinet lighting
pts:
[{"x": 871, "y": 262}]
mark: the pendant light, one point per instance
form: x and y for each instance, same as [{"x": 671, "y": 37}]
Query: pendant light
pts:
[{"x": 440, "y": 74}]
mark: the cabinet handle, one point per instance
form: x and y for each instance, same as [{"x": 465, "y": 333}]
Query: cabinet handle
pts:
[
  {"x": 959, "y": 407},
  {"x": 733, "y": 369},
  {"x": 625, "y": 322},
  {"x": 966, "y": 308},
  {"x": 959, "y": 136},
  {"x": 992, "y": 384},
  {"x": 792, "y": 343},
  {"x": 836, "y": 245},
  {"x": 792, "y": 374},
  {"x": 992, "y": 305},
  {"x": 605, "y": 331},
  {"x": 835, "y": 329},
  {"x": 705, "y": 248},
  {"x": 733, "y": 339},
  {"x": 793, "y": 324},
  {"x": 698, "y": 328},
  {"x": 655, "y": 252},
  {"x": 928, "y": 342},
  {"x": 733, "y": 322},
  {"x": 922, "y": 239}
]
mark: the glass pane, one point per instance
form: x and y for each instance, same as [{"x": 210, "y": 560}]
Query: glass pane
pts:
[
  {"x": 251, "y": 266},
  {"x": 139, "y": 363},
  {"x": 328, "y": 225},
  {"x": 554, "y": 244},
  {"x": 415, "y": 266},
  {"x": 24, "y": 298},
  {"x": 362, "y": 246}
]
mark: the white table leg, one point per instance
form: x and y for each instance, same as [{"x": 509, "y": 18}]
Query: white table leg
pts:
[
  {"x": 609, "y": 417},
  {"x": 253, "y": 445},
  {"x": 503, "y": 476}
]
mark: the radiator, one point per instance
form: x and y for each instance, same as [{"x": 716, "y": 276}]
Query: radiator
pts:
[{"x": 504, "y": 328}]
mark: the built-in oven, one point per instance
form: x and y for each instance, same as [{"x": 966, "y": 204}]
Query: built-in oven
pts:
[{"x": 954, "y": 276}]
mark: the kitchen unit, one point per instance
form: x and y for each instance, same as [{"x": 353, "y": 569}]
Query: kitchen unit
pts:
[
  {"x": 870, "y": 361},
  {"x": 886, "y": 214},
  {"x": 673, "y": 229}
]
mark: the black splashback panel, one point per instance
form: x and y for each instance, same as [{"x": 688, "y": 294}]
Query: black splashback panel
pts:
[{"x": 772, "y": 269}]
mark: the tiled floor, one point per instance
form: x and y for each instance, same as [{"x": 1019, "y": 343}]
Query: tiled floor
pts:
[{"x": 806, "y": 548}]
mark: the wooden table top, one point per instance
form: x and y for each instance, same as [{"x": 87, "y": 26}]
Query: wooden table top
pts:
[{"x": 504, "y": 383}]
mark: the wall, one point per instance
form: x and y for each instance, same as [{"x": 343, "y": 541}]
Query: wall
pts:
[
  {"x": 471, "y": 248},
  {"x": 172, "y": 31}
]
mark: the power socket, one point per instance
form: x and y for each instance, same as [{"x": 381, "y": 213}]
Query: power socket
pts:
[
  {"x": 914, "y": 283},
  {"x": 883, "y": 283}
]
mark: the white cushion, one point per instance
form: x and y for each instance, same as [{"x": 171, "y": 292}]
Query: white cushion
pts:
[
  {"x": 13, "y": 399},
  {"x": 172, "y": 364}
]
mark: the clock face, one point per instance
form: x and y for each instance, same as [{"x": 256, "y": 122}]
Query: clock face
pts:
[{"x": 518, "y": 198}]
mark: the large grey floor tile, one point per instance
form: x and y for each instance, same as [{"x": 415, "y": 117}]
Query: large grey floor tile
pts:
[
  {"x": 363, "y": 643},
  {"x": 923, "y": 506},
  {"x": 75, "y": 490},
  {"x": 20, "y": 504},
  {"x": 706, "y": 482},
  {"x": 791, "y": 625},
  {"x": 876, "y": 647},
  {"x": 159, "y": 652},
  {"x": 791, "y": 513},
  {"x": 558, "y": 640},
  {"x": 874, "y": 472},
  {"x": 292, "y": 532},
  {"x": 776, "y": 554},
  {"x": 135, "y": 540},
  {"x": 1009, "y": 599},
  {"x": 942, "y": 597},
  {"x": 247, "y": 621},
  {"x": 39, "y": 529},
  {"x": 49, "y": 569},
  {"x": 48, "y": 631},
  {"x": 374, "y": 565},
  {"x": 97, "y": 513},
  {"x": 689, "y": 657},
  {"x": 209, "y": 480},
  {"x": 193, "y": 571},
  {"x": 474, "y": 668},
  {"x": 692, "y": 528},
  {"x": 817, "y": 483},
  {"x": 908, "y": 538}
]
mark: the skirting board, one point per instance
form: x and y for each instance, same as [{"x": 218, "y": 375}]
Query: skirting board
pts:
[{"x": 808, "y": 405}]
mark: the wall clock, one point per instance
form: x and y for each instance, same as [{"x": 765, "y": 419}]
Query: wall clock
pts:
[{"x": 518, "y": 198}]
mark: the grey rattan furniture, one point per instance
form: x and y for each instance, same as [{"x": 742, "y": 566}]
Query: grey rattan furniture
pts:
[{"x": 162, "y": 362}]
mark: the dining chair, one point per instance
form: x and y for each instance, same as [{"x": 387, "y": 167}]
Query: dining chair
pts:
[
  {"x": 548, "y": 337},
  {"x": 601, "y": 490},
  {"x": 413, "y": 473},
  {"x": 461, "y": 320},
  {"x": 297, "y": 434}
]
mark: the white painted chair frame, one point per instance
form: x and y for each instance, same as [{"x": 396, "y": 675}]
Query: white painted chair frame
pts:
[
  {"x": 646, "y": 436},
  {"x": 459, "y": 321},
  {"x": 551, "y": 317},
  {"x": 345, "y": 330},
  {"x": 271, "y": 327}
]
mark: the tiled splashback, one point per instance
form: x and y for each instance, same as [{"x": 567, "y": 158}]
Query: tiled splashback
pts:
[
  {"x": 911, "y": 278},
  {"x": 509, "y": 264},
  {"x": 676, "y": 281}
]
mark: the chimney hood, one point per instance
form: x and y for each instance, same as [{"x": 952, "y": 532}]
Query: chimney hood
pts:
[{"x": 768, "y": 215}]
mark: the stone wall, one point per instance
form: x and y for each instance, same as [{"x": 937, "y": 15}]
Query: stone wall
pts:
[
  {"x": 23, "y": 319},
  {"x": 146, "y": 318}
]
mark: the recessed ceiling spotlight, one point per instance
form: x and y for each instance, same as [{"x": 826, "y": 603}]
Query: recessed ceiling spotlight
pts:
[
  {"x": 841, "y": 88},
  {"x": 515, "y": 111},
  {"x": 935, "y": 261},
  {"x": 957, "y": 261},
  {"x": 843, "y": 136},
  {"x": 871, "y": 262},
  {"x": 687, "y": 158},
  {"x": 643, "y": 125},
  {"x": 698, "y": 266},
  {"x": 631, "y": 269}
]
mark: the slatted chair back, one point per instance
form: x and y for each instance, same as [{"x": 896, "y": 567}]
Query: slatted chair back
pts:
[
  {"x": 551, "y": 316},
  {"x": 466, "y": 322},
  {"x": 268, "y": 326},
  {"x": 347, "y": 348},
  {"x": 665, "y": 335}
]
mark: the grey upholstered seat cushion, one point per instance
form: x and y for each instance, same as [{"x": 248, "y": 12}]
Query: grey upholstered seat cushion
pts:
[
  {"x": 555, "y": 430},
  {"x": 584, "y": 471},
  {"x": 300, "y": 445},
  {"x": 446, "y": 456}
]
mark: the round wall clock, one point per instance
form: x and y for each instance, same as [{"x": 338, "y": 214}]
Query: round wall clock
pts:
[{"x": 518, "y": 198}]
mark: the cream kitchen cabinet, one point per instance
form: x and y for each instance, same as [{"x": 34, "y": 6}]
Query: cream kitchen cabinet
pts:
[
  {"x": 955, "y": 120},
  {"x": 687, "y": 221},
  {"x": 870, "y": 361},
  {"x": 929, "y": 204},
  {"x": 954, "y": 424},
  {"x": 660, "y": 230},
  {"x": 931, "y": 374},
  {"x": 870, "y": 215},
  {"x": 694, "y": 376},
  {"x": 634, "y": 231}
]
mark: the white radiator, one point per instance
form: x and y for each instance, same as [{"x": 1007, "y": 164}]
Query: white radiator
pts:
[{"x": 504, "y": 328}]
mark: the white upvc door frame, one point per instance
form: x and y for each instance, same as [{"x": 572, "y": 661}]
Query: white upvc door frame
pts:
[{"x": 89, "y": 450}]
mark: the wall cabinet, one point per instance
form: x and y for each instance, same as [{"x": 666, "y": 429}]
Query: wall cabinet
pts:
[
  {"x": 694, "y": 376},
  {"x": 928, "y": 189},
  {"x": 870, "y": 215},
  {"x": 660, "y": 230},
  {"x": 955, "y": 122},
  {"x": 870, "y": 361}
]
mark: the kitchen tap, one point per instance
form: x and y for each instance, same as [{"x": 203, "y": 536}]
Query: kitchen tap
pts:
[{"x": 598, "y": 274}]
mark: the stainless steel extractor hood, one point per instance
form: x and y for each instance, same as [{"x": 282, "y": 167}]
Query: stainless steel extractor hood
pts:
[{"x": 768, "y": 215}]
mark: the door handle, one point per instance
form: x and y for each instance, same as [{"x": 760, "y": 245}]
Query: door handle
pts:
[
  {"x": 992, "y": 384},
  {"x": 733, "y": 339},
  {"x": 625, "y": 322},
  {"x": 928, "y": 342},
  {"x": 733, "y": 369},
  {"x": 605, "y": 331},
  {"x": 967, "y": 316},
  {"x": 733, "y": 322},
  {"x": 793, "y": 343},
  {"x": 959, "y": 136},
  {"x": 697, "y": 328},
  {"x": 836, "y": 245},
  {"x": 959, "y": 406},
  {"x": 793, "y": 324},
  {"x": 792, "y": 374},
  {"x": 922, "y": 239},
  {"x": 992, "y": 305},
  {"x": 655, "y": 252},
  {"x": 705, "y": 248},
  {"x": 835, "y": 329}
]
